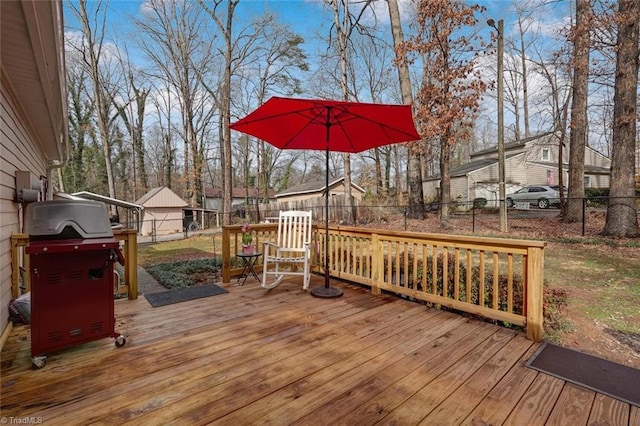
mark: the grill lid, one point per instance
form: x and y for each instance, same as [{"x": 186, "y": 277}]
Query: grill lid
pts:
[{"x": 56, "y": 218}]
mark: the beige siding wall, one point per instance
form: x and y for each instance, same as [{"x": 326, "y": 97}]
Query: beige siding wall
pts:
[
  {"x": 430, "y": 189},
  {"x": 166, "y": 221},
  {"x": 459, "y": 189},
  {"x": 18, "y": 151},
  {"x": 534, "y": 150},
  {"x": 594, "y": 158},
  {"x": 598, "y": 181},
  {"x": 489, "y": 174},
  {"x": 517, "y": 170},
  {"x": 335, "y": 190}
]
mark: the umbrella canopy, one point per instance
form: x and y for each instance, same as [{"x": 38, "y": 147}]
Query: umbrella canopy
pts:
[{"x": 289, "y": 123}]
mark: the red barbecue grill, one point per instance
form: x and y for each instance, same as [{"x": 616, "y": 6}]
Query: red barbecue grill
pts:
[{"x": 72, "y": 252}]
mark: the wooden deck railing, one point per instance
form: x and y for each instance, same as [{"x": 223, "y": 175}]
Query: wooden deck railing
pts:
[
  {"x": 496, "y": 278},
  {"x": 20, "y": 261}
]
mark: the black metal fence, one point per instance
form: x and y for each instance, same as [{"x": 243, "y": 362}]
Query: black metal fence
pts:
[
  {"x": 521, "y": 219},
  {"x": 474, "y": 217}
]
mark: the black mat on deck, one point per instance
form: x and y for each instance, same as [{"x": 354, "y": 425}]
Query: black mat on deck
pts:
[
  {"x": 183, "y": 294},
  {"x": 609, "y": 378}
]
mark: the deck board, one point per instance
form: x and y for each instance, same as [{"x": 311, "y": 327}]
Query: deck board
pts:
[{"x": 253, "y": 356}]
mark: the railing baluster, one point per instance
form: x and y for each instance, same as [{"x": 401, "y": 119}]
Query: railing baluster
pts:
[{"x": 390, "y": 260}]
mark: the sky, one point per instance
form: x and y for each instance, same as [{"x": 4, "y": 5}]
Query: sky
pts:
[
  {"x": 307, "y": 16},
  {"x": 311, "y": 19}
]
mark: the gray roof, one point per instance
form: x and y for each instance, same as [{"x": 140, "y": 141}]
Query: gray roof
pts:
[
  {"x": 149, "y": 195},
  {"x": 314, "y": 186},
  {"x": 510, "y": 145},
  {"x": 465, "y": 169},
  {"x": 472, "y": 166}
]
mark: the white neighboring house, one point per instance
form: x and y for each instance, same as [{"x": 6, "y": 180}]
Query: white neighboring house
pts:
[
  {"x": 34, "y": 119},
  {"x": 531, "y": 161}
]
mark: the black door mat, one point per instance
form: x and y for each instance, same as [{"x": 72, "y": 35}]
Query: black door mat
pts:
[
  {"x": 609, "y": 378},
  {"x": 183, "y": 294}
]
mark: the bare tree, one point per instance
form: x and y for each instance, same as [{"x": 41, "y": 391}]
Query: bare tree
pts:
[
  {"x": 130, "y": 106},
  {"x": 416, "y": 196},
  {"x": 556, "y": 72},
  {"x": 173, "y": 37},
  {"x": 622, "y": 216},
  {"x": 224, "y": 21},
  {"x": 266, "y": 58},
  {"x": 81, "y": 111},
  {"x": 93, "y": 30},
  {"x": 523, "y": 10},
  {"x": 578, "y": 132},
  {"x": 343, "y": 27},
  {"x": 372, "y": 77}
]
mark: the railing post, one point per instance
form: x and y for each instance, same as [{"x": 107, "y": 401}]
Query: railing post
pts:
[
  {"x": 130, "y": 238},
  {"x": 473, "y": 213},
  {"x": 376, "y": 263},
  {"x": 226, "y": 255},
  {"x": 19, "y": 240},
  {"x": 406, "y": 212},
  {"x": 584, "y": 214},
  {"x": 535, "y": 293}
]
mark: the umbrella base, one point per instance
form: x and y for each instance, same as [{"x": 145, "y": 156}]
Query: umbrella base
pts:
[{"x": 326, "y": 292}]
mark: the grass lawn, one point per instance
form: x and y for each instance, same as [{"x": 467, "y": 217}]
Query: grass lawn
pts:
[
  {"x": 603, "y": 286},
  {"x": 197, "y": 247}
]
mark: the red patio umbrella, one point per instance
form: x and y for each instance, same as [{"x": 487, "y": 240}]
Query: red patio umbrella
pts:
[{"x": 326, "y": 125}]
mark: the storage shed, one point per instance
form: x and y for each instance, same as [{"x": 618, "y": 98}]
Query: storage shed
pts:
[{"x": 162, "y": 212}]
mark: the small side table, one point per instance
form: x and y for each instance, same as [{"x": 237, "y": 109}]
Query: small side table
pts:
[{"x": 249, "y": 260}]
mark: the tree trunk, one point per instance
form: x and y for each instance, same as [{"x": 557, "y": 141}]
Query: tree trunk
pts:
[
  {"x": 416, "y": 197},
  {"x": 94, "y": 48},
  {"x": 378, "y": 172},
  {"x": 525, "y": 83},
  {"x": 578, "y": 135},
  {"x": 622, "y": 217},
  {"x": 445, "y": 181},
  {"x": 342, "y": 29},
  {"x": 226, "y": 112}
]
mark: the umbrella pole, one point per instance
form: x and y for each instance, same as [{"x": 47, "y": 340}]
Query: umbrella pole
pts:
[{"x": 327, "y": 291}]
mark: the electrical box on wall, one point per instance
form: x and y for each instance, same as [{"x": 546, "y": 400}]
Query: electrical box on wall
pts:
[{"x": 28, "y": 187}]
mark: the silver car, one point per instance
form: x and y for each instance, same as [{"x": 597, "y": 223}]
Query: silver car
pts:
[{"x": 542, "y": 196}]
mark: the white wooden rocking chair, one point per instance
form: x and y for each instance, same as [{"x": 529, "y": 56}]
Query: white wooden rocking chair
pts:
[{"x": 292, "y": 246}]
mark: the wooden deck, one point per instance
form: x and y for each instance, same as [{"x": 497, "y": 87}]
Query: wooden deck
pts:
[{"x": 281, "y": 356}]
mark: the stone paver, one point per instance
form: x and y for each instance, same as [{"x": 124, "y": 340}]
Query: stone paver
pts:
[{"x": 147, "y": 284}]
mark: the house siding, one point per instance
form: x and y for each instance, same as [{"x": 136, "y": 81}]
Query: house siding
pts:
[
  {"x": 337, "y": 189},
  {"x": 517, "y": 171},
  {"x": 524, "y": 165},
  {"x": 18, "y": 151},
  {"x": 162, "y": 210},
  {"x": 594, "y": 158},
  {"x": 167, "y": 220},
  {"x": 430, "y": 189},
  {"x": 459, "y": 190}
]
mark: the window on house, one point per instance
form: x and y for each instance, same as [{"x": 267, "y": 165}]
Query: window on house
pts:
[
  {"x": 587, "y": 181},
  {"x": 545, "y": 154}
]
